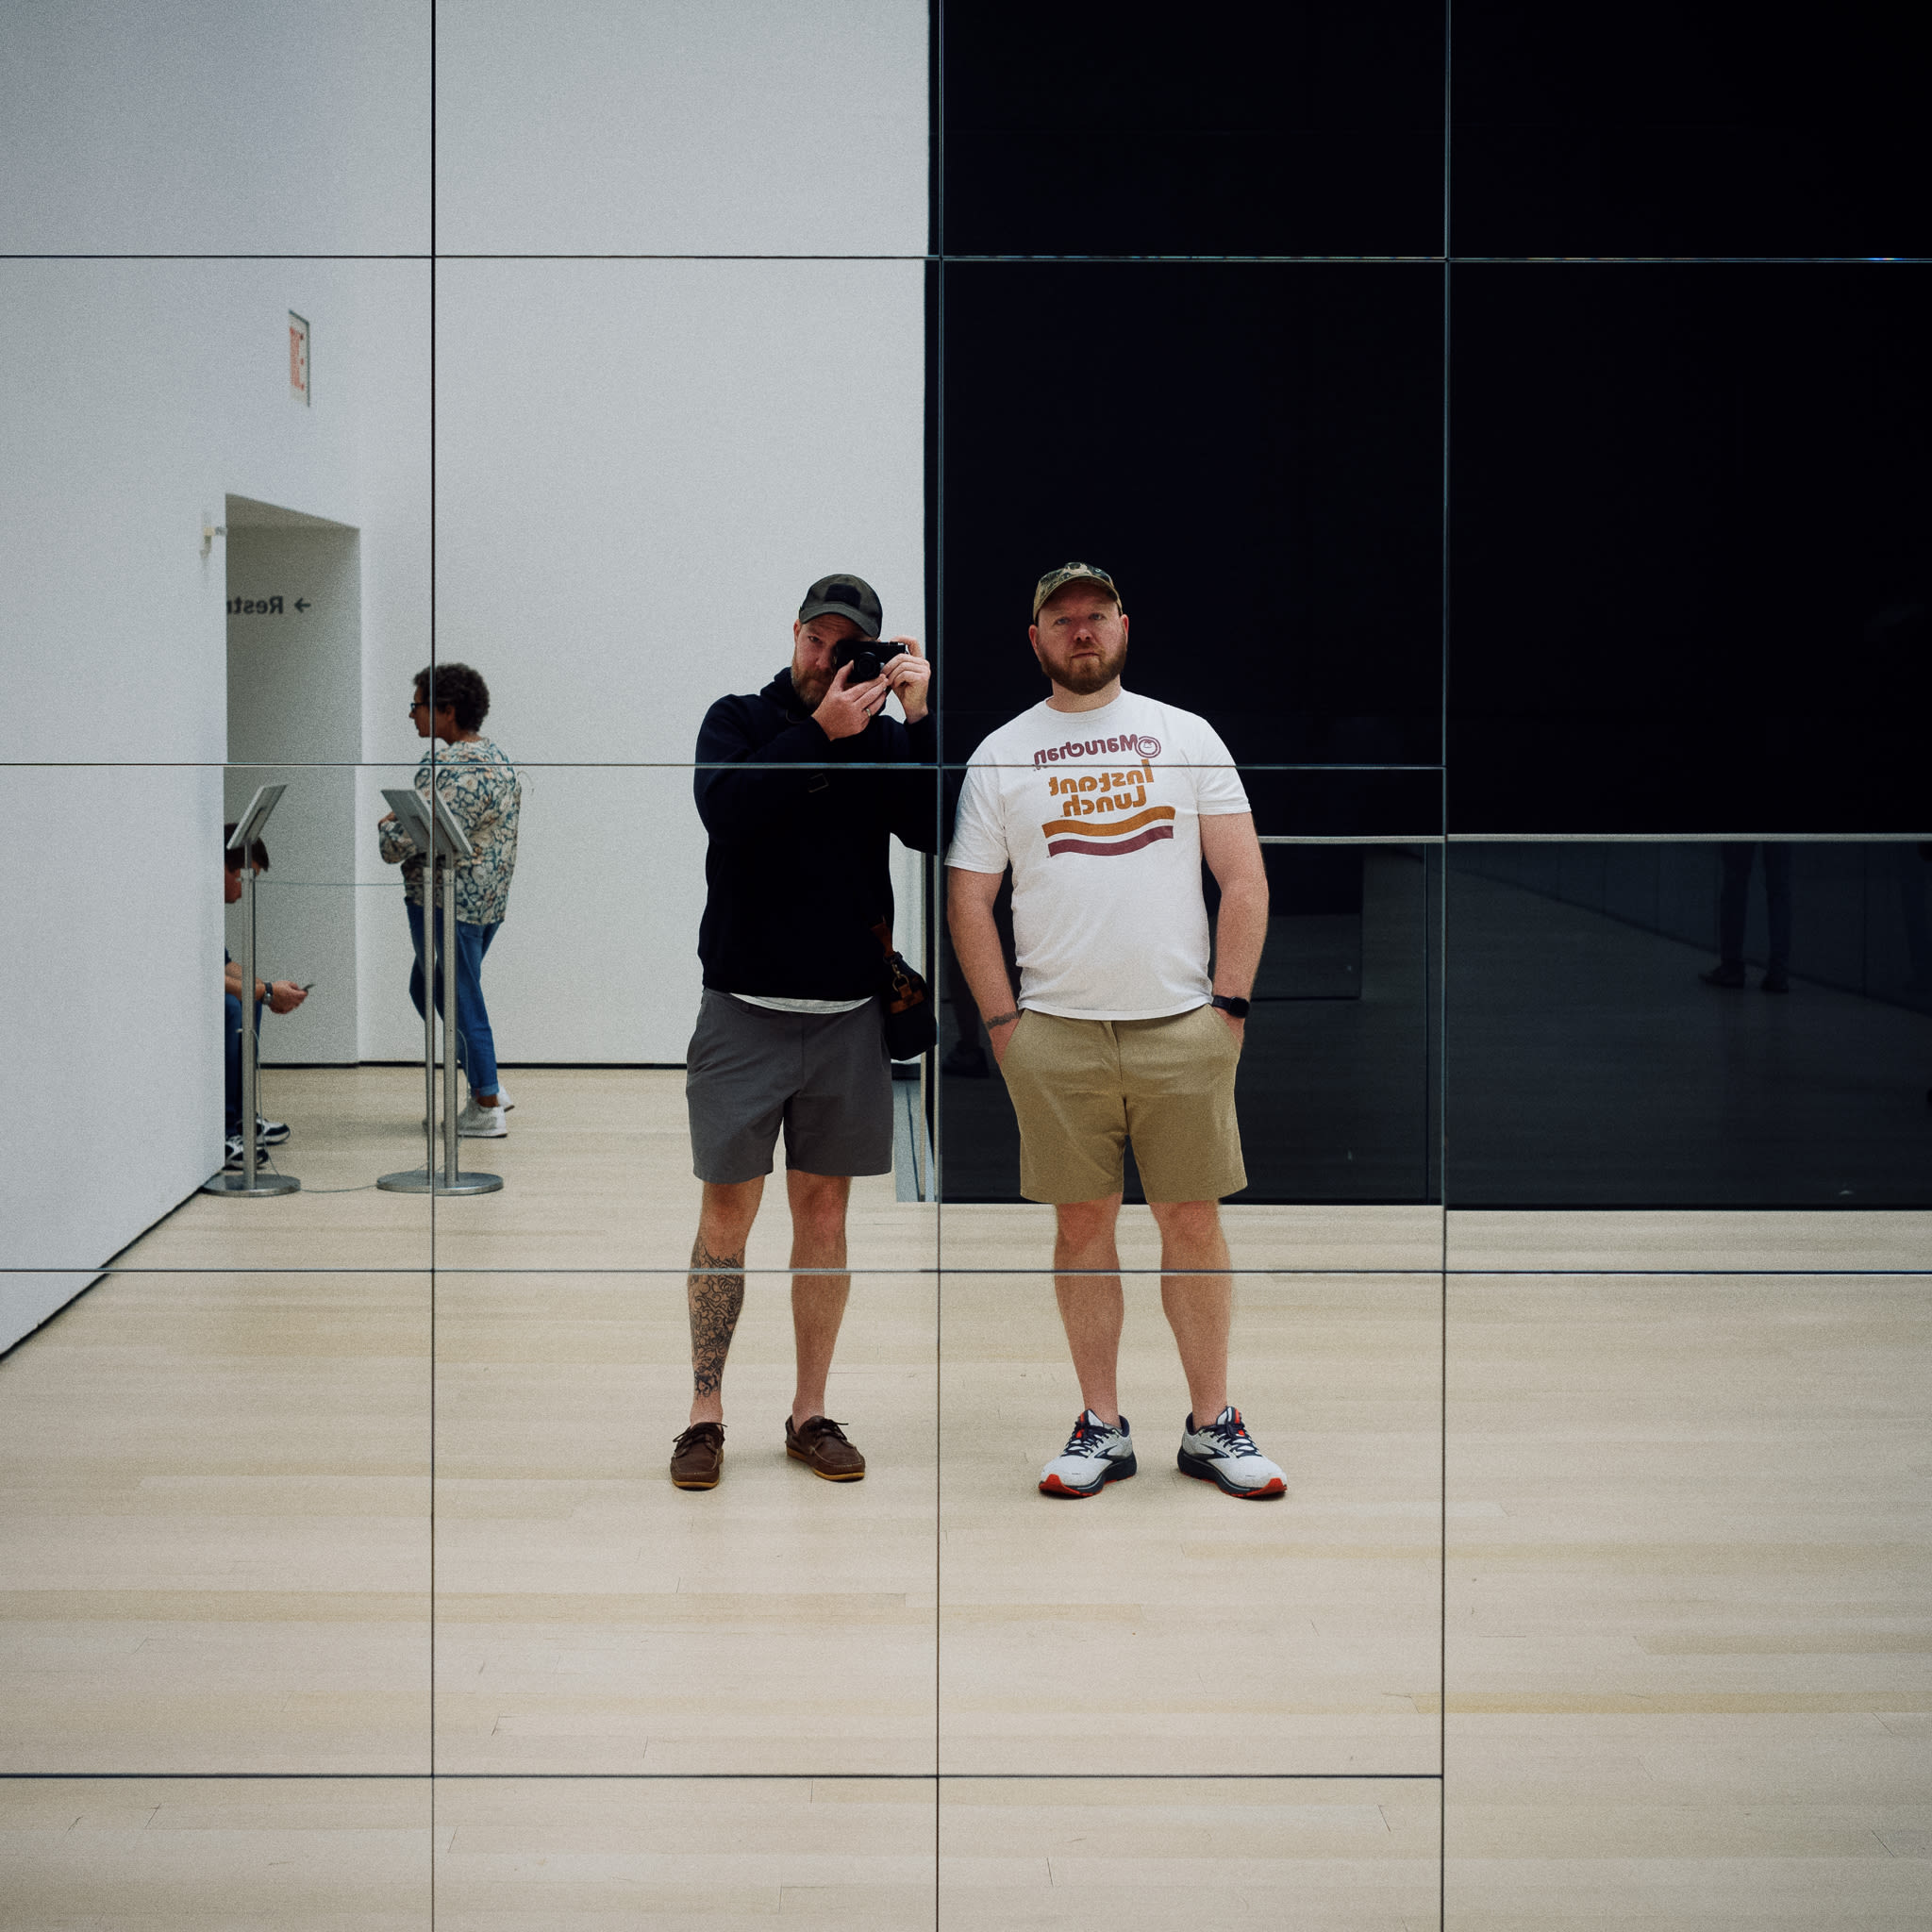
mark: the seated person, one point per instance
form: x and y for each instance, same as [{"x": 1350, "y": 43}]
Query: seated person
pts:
[{"x": 279, "y": 996}]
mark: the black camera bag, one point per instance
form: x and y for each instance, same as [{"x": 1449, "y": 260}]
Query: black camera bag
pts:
[{"x": 912, "y": 1028}]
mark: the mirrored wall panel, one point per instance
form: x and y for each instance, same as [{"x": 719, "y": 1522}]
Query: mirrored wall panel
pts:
[
  {"x": 625, "y": 534},
  {"x": 1689, "y": 552},
  {"x": 1254, "y": 454},
  {"x": 583, "y": 1853},
  {"x": 217, "y": 1524},
  {"x": 1143, "y": 1855},
  {"x": 1686, "y": 1569},
  {"x": 618, "y": 1592},
  {"x": 1243, "y": 130},
  {"x": 1335, "y": 1089},
  {"x": 302, "y": 1854},
  {"x": 1722, "y": 129},
  {"x": 1165, "y": 1625},
  {"x": 1683, "y": 1023}
]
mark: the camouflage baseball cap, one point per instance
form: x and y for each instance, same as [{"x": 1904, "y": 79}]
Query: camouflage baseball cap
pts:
[
  {"x": 843, "y": 595},
  {"x": 1072, "y": 574}
]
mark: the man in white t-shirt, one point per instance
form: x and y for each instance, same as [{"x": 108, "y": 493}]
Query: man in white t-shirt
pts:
[{"x": 1104, "y": 805}]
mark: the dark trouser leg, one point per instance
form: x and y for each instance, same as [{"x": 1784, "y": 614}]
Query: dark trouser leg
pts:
[
  {"x": 233, "y": 1068},
  {"x": 1778, "y": 905},
  {"x": 234, "y": 1065},
  {"x": 1732, "y": 899}
]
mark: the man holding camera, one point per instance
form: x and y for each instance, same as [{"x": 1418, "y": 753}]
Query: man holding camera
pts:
[
  {"x": 1105, "y": 805},
  {"x": 799, "y": 788}
]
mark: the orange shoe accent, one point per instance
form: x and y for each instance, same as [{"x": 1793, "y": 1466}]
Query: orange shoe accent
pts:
[{"x": 1053, "y": 1487}]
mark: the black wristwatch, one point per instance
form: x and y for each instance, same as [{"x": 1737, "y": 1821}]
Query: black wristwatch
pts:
[{"x": 1235, "y": 1009}]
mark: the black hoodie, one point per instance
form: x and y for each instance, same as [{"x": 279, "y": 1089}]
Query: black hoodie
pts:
[{"x": 796, "y": 874}]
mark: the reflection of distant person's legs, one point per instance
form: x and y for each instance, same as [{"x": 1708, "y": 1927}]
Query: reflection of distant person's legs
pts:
[
  {"x": 476, "y": 1041},
  {"x": 1908, "y": 863},
  {"x": 1777, "y": 907},
  {"x": 1732, "y": 904}
]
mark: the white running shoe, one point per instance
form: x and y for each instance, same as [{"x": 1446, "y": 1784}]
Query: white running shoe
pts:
[
  {"x": 1224, "y": 1453},
  {"x": 1096, "y": 1454},
  {"x": 503, "y": 1101},
  {"x": 234, "y": 1156},
  {"x": 481, "y": 1122}
]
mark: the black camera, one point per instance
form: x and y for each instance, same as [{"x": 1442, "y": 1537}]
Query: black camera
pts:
[{"x": 866, "y": 656}]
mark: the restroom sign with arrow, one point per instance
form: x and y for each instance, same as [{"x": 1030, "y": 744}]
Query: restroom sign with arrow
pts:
[{"x": 265, "y": 607}]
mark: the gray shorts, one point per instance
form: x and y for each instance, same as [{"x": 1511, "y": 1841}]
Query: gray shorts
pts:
[{"x": 825, "y": 1078}]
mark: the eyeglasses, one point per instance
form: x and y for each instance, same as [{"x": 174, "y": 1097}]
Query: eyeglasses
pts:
[{"x": 416, "y": 704}]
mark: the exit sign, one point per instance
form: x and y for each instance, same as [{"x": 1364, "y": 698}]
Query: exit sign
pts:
[{"x": 298, "y": 357}]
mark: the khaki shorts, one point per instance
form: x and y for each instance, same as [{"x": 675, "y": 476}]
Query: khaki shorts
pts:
[{"x": 1082, "y": 1088}]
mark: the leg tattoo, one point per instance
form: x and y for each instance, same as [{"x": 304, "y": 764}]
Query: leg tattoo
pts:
[{"x": 716, "y": 1294}]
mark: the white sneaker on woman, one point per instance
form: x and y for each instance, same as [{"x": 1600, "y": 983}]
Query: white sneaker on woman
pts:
[{"x": 481, "y": 1122}]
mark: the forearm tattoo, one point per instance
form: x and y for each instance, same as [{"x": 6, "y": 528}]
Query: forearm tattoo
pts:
[{"x": 715, "y": 1291}]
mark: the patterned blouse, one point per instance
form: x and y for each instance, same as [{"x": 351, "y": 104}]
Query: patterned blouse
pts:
[{"x": 483, "y": 792}]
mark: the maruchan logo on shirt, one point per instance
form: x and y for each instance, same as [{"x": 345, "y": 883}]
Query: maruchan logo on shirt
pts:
[{"x": 1140, "y": 746}]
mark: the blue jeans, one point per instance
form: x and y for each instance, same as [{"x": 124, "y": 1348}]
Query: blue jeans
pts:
[
  {"x": 233, "y": 1005},
  {"x": 475, "y": 1043}
]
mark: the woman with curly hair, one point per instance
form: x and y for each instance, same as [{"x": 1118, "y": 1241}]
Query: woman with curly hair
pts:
[{"x": 480, "y": 787}]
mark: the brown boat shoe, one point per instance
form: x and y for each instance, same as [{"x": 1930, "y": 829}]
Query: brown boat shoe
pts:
[
  {"x": 697, "y": 1458},
  {"x": 821, "y": 1446}
]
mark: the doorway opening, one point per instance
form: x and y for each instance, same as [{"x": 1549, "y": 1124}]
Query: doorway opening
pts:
[{"x": 295, "y": 718}]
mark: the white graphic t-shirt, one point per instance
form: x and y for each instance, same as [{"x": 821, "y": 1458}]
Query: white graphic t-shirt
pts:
[{"x": 1098, "y": 813}]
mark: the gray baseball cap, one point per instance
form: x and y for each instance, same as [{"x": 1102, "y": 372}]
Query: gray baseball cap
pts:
[{"x": 843, "y": 595}]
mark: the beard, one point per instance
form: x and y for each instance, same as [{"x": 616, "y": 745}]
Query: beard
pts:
[
  {"x": 811, "y": 686},
  {"x": 1084, "y": 675}
]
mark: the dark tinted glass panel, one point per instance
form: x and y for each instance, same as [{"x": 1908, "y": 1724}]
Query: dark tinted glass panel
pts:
[
  {"x": 1334, "y": 1089},
  {"x": 1254, "y": 452},
  {"x": 1680, "y": 1024},
  {"x": 1664, "y": 129},
  {"x": 1690, "y": 543},
  {"x": 1242, "y": 129}
]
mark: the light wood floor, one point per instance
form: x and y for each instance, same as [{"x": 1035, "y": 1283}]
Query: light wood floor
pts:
[
  {"x": 1686, "y": 1585},
  {"x": 1689, "y": 1602}
]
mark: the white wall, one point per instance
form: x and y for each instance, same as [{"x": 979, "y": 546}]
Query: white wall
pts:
[
  {"x": 642, "y": 464},
  {"x": 138, "y": 395},
  {"x": 214, "y": 127},
  {"x": 682, "y": 127},
  {"x": 640, "y": 468},
  {"x": 110, "y": 963}
]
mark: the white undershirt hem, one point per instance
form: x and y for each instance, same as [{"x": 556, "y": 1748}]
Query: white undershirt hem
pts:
[{"x": 776, "y": 1006}]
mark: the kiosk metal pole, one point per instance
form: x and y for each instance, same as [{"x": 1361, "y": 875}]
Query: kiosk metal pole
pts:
[
  {"x": 448, "y": 949},
  {"x": 436, "y": 833},
  {"x": 251, "y": 1027},
  {"x": 250, "y": 1180},
  {"x": 430, "y": 871}
]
